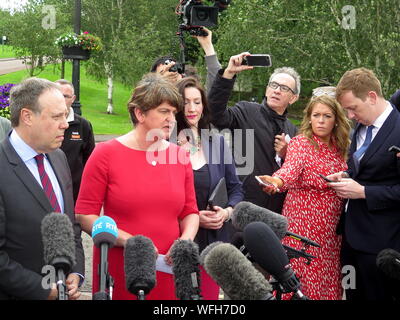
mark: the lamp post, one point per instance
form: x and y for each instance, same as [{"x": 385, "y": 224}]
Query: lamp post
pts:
[{"x": 76, "y": 62}]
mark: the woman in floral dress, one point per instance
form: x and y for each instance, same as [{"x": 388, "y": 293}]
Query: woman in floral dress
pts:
[{"x": 312, "y": 208}]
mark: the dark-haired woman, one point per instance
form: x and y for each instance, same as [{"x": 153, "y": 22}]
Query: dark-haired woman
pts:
[{"x": 211, "y": 160}]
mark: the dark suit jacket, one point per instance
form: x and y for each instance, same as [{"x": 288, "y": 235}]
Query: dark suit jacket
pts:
[
  {"x": 23, "y": 205},
  {"x": 373, "y": 224},
  {"x": 395, "y": 99},
  {"x": 220, "y": 164}
]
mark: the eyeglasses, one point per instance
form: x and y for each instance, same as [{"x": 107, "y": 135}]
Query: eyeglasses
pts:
[{"x": 276, "y": 85}]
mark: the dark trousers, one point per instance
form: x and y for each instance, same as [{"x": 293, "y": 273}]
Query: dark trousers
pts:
[{"x": 371, "y": 283}]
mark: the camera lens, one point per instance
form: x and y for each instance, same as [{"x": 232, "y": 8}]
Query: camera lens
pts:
[{"x": 202, "y": 15}]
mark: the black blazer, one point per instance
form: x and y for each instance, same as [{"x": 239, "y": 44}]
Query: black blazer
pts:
[
  {"x": 373, "y": 224},
  {"x": 220, "y": 164},
  {"x": 23, "y": 205}
]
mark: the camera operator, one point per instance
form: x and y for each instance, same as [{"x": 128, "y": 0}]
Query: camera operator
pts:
[
  {"x": 212, "y": 63},
  {"x": 272, "y": 129},
  {"x": 163, "y": 66}
]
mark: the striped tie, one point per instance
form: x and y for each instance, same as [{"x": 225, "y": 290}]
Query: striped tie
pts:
[{"x": 46, "y": 183}]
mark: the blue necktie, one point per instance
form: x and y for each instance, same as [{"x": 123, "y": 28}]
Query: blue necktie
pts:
[{"x": 357, "y": 155}]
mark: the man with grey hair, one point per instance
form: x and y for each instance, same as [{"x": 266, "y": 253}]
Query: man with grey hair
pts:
[
  {"x": 272, "y": 130},
  {"x": 35, "y": 180},
  {"x": 78, "y": 141}
]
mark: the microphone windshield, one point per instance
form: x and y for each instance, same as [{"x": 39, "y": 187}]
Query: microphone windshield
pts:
[
  {"x": 140, "y": 264},
  {"x": 246, "y": 212},
  {"x": 207, "y": 249},
  {"x": 236, "y": 275},
  {"x": 104, "y": 230},
  {"x": 58, "y": 241},
  {"x": 388, "y": 260},
  {"x": 186, "y": 269},
  {"x": 266, "y": 249}
]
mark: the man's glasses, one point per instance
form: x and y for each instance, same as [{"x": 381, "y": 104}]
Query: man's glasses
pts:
[{"x": 276, "y": 85}]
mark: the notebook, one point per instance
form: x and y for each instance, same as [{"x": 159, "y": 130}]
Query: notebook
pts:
[{"x": 219, "y": 196}]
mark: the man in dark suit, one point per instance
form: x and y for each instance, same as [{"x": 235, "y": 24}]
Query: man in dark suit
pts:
[
  {"x": 371, "y": 221},
  {"x": 35, "y": 180}
]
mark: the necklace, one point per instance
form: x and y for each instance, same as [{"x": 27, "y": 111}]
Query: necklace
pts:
[{"x": 193, "y": 147}]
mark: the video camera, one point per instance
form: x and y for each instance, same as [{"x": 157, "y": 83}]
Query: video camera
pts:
[{"x": 195, "y": 15}]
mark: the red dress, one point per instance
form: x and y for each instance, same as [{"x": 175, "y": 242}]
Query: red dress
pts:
[
  {"x": 142, "y": 198},
  {"x": 313, "y": 210}
]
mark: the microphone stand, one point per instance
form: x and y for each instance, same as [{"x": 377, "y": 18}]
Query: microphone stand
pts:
[
  {"x": 106, "y": 281},
  {"x": 140, "y": 295},
  {"x": 62, "y": 266}
]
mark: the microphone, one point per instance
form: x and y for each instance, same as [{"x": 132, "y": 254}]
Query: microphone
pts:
[
  {"x": 207, "y": 249},
  {"x": 59, "y": 247},
  {"x": 304, "y": 240},
  {"x": 247, "y": 212},
  {"x": 140, "y": 266},
  {"x": 388, "y": 260},
  {"x": 236, "y": 275},
  {"x": 185, "y": 266},
  {"x": 266, "y": 249},
  {"x": 104, "y": 234}
]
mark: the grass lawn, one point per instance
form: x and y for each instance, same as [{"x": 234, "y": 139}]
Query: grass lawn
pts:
[
  {"x": 6, "y": 52},
  {"x": 93, "y": 98}
]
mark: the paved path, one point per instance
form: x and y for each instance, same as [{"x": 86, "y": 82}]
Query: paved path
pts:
[
  {"x": 11, "y": 65},
  {"x": 86, "y": 290}
]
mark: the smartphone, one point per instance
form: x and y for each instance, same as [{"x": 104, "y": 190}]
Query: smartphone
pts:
[
  {"x": 394, "y": 149},
  {"x": 266, "y": 184},
  {"x": 257, "y": 60},
  {"x": 325, "y": 178}
]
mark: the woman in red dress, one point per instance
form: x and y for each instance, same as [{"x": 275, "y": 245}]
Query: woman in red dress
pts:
[
  {"x": 144, "y": 183},
  {"x": 313, "y": 208}
]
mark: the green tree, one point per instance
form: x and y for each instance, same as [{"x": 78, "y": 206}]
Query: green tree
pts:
[{"x": 32, "y": 31}]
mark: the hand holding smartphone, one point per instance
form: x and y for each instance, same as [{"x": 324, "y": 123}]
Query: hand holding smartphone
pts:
[
  {"x": 325, "y": 178},
  {"x": 257, "y": 60},
  {"x": 267, "y": 184}
]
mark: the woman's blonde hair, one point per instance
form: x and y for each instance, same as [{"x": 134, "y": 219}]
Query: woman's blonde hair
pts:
[{"x": 341, "y": 130}]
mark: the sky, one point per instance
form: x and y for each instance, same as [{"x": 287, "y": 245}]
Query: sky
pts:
[{"x": 11, "y": 4}]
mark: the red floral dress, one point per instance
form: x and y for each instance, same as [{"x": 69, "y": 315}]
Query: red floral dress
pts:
[{"x": 313, "y": 210}]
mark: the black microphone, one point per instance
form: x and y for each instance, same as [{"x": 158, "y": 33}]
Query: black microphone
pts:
[
  {"x": 104, "y": 234},
  {"x": 304, "y": 240},
  {"x": 267, "y": 250},
  {"x": 247, "y": 212},
  {"x": 236, "y": 275},
  {"x": 388, "y": 260},
  {"x": 59, "y": 247},
  {"x": 186, "y": 269},
  {"x": 140, "y": 266}
]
